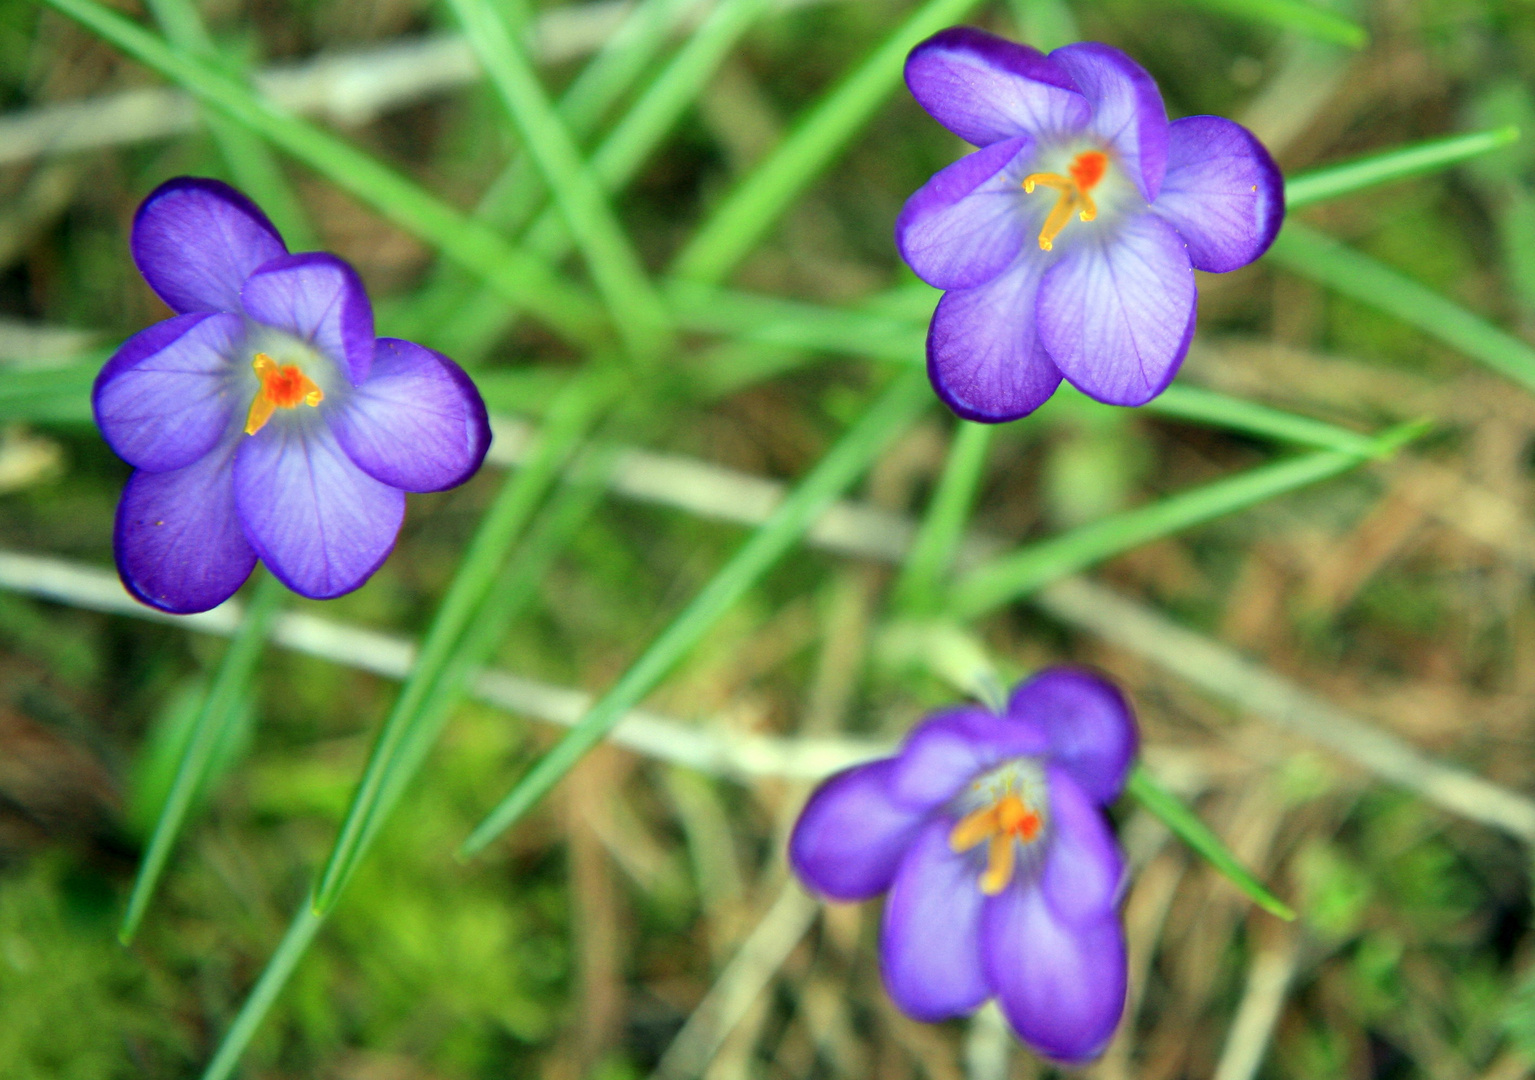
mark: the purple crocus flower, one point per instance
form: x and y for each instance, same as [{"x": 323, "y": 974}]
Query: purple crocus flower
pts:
[
  {"x": 1004, "y": 878},
  {"x": 1068, "y": 242},
  {"x": 264, "y": 419}
]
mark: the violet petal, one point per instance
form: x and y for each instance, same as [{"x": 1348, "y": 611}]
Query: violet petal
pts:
[
  {"x": 196, "y": 241},
  {"x": 1128, "y": 114},
  {"x": 851, "y": 835},
  {"x": 319, "y": 522},
  {"x": 966, "y": 225},
  {"x": 1061, "y": 986},
  {"x": 949, "y": 750},
  {"x": 1117, "y": 314},
  {"x": 929, "y": 941},
  {"x": 178, "y": 542},
  {"x": 418, "y": 423},
  {"x": 985, "y": 88},
  {"x": 983, "y": 350},
  {"x": 1083, "y": 868},
  {"x": 319, "y": 298},
  {"x": 1089, "y": 724},
  {"x": 165, "y": 397},
  {"x": 1223, "y": 192}
]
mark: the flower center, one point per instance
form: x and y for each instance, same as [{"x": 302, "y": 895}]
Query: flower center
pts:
[
  {"x": 1011, "y": 817},
  {"x": 282, "y": 387},
  {"x": 1085, "y": 172}
]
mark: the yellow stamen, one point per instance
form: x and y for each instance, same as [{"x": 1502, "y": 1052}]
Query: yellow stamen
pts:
[
  {"x": 973, "y": 829},
  {"x": 1001, "y": 858},
  {"x": 1001, "y": 826},
  {"x": 282, "y": 387},
  {"x": 1087, "y": 169}
]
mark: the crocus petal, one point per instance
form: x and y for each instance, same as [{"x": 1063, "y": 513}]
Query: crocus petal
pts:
[
  {"x": 1061, "y": 985},
  {"x": 418, "y": 423},
  {"x": 1223, "y": 192},
  {"x": 983, "y": 350},
  {"x": 177, "y": 539},
  {"x": 1127, "y": 110},
  {"x": 196, "y": 241},
  {"x": 319, "y": 298},
  {"x": 946, "y": 752},
  {"x": 1116, "y": 313},
  {"x": 164, "y": 398},
  {"x": 851, "y": 835},
  {"x": 1089, "y": 725},
  {"x": 319, "y": 522},
  {"x": 967, "y": 224},
  {"x": 985, "y": 88},
  {"x": 929, "y": 942},
  {"x": 1083, "y": 868}
]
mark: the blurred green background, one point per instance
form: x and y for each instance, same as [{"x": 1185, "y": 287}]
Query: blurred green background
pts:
[{"x": 582, "y": 942}]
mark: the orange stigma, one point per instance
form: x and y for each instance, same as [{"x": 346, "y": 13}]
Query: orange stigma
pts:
[
  {"x": 1087, "y": 169},
  {"x": 284, "y": 387},
  {"x": 1001, "y": 826}
]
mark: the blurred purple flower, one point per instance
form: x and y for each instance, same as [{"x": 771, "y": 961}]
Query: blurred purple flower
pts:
[
  {"x": 264, "y": 418},
  {"x": 1004, "y": 878},
  {"x": 1068, "y": 241}
]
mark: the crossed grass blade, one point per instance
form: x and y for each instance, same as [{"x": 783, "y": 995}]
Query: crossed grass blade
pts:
[
  {"x": 894, "y": 410},
  {"x": 517, "y": 275}
]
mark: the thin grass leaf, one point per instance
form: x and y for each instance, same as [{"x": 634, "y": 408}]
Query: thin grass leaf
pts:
[
  {"x": 735, "y": 226},
  {"x": 1300, "y": 16},
  {"x": 1319, "y": 185},
  {"x": 797, "y": 325},
  {"x": 1188, "y": 827},
  {"x": 295, "y": 943},
  {"x": 51, "y": 394},
  {"x": 932, "y": 552},
  {"x": 220, "y": 708},
  {"x": 636, "y": 307},
  {"x": 1322, "y": 259},
  {"x": 517, "y": 275},
  {"x": 251, "y": 165},
  {"x": 891, "y": 413},
  {"x": 578, "y": 408},
  {"x": 1011, "y": 576}
]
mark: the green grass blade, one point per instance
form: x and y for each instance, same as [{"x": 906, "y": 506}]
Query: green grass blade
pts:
[
  {"x": 220, "y": 708},
  {"x": 636, "y": 306},
  {"x": 252, "y": 166},
  {"x": 580, "y": 404},
  {"x": 306, "y": 924},
  {"x": 1317, "y": 256},
  {"x": 1319, "y": 185},
  {"x": 1236, "y": 414},
  {"x": 517, "y": 275},
  {"x": 736, "y": 225},
  {"x": 1188, "y": 827},
  {"x": 932, "y": 553},
  {"x": 891, "y": 413},
  {"x": 1008, "y": 577},
  {"x": 1300, "y": 16}
]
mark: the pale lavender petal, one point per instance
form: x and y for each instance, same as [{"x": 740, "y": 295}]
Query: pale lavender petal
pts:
[
  {"x": 1116, "y": 314},
  {"x": 985, "y": 88},
  {"x": 319, "y": 298},
  {"x": 166, "y": 396},
  {"x": 983, "y": 350},
  {"x": 851, "y": 835},
  {"x": 319, "y": 522},
  {"x": 178, "y": 542},
  {"x": 418, "y": 423},
  {"x": 1223, "y": 192},
  {"x": 1127, "y": 107},
  {"x": 1060, "y": 985},
  {"x": 947, "y": 751},
  {"x": 929, "y": 941},
  {"x": 1083, "y": 868},
  {"x": 1088, "y": 722},
  {"x": 967, "y": 224},
  {"x": 196, "y": 241}
]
